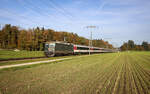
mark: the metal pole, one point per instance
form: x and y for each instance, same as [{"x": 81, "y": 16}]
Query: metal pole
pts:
[
  {"x": 127, "y": 47},
  {"x": 64, "y": 39},
  {"x": 90, "y": 40},
  {"x": 90, "y": 44}
]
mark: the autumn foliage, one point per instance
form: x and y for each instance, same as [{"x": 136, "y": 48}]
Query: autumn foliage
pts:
[
  {"x": 130, "y": 45},
  {"x": 12, "y": 37}
]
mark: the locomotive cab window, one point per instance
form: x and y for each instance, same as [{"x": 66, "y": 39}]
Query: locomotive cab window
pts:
[
  {"x": 46, "y": 47},
  {"x": 52, "y": 46}
]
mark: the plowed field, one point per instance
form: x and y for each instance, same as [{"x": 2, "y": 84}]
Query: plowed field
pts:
[{"x": 113, "y": 73}]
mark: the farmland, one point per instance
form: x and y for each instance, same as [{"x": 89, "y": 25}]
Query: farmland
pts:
[
  {"x": 8, "y": 54},
  {"x": 112, "y": 73}
]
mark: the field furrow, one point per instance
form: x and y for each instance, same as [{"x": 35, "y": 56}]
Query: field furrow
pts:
[{"x": 112, "y": 73}]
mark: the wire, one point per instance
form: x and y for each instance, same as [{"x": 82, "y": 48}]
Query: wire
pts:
[
  {"x": 60, "y": 10},
  {"x": 64, "y": 10},
  {"x": 36, "y": 9}
]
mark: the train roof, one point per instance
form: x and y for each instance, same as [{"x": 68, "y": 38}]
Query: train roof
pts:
[{"x": 62, "y": 42}]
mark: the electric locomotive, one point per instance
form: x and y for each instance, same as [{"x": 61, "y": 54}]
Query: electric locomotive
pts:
[{"x": 58, "y": 48}]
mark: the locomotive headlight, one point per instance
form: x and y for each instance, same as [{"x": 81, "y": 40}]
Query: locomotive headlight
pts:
[{"x": 48, "y": 49}]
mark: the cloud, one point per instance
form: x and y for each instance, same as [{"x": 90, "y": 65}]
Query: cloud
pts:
[{"x": 120, "y": 19}]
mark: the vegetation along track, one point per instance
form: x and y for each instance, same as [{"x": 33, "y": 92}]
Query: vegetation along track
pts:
[
  {"x": 9, "y": 55},
  {"x": 26, "y": 58},
  {"x": 112, "y": 73}
]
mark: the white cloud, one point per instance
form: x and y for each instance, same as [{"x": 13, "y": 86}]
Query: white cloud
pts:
[{"x": 118, "y": 17}]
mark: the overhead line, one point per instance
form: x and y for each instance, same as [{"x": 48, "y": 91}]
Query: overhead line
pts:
[
  {"x": 15, "y": 14},
  {"x": 32, "y": 7},
  {"x": 35, "y": 9},
  {"x": 52, "y": 4},
  {"x": 69, "y": 14},
  {"x": 45, "y": 13}
]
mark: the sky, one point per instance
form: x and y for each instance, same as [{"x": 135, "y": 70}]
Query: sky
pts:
[{"x": 116, "y": 21}]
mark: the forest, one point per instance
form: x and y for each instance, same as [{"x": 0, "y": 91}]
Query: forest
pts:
[
  {"x": 130, "y": 45},
  {"x": 13, "y": 37}
]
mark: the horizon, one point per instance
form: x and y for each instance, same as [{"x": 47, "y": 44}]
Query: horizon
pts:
[
  {"x": 117, "y": 21},
  {"x": 114, "y": 45}
]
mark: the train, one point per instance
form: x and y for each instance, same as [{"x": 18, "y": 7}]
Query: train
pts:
[{"x": 61, "y": 48}]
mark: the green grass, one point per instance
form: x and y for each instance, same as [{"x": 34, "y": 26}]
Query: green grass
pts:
[
  {"x": 7, "y": 54},
  {"x": 113, "y": 73},
  {"x": 2, "y": 63}
]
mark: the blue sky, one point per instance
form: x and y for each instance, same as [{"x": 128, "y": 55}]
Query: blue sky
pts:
[{"x": 117, "y": 20}]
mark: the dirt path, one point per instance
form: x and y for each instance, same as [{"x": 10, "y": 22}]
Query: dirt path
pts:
[
  {"x": 38, "y": 62},
  {"x": 31, "y": 63}
]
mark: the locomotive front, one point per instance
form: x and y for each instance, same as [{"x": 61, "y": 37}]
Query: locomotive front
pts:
[{"x": 49, "y": 49}]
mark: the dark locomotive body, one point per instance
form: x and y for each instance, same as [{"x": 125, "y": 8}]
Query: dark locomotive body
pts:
[{"x": 60, "y": 48}]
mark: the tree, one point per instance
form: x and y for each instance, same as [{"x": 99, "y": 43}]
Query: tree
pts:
[
  {"x": 7, "y": 35},
  {"x": 1, "y": 39},
  {"x": 29, "y": 40},
  {"x": 131, "y": 45},
  {"x": 124, "y": 47},
  {"x": 34, "y": 39},
  {"x": 14, "y": 37},
  {"x": 145, "y": 45},
  {"x": 22, "y": 39},
  {"x": 149, "y": 47}
]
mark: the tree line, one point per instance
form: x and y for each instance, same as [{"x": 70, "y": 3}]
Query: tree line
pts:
[
  {"x": 130, "y": 45},
  {"x": 12, "y": 37}
]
